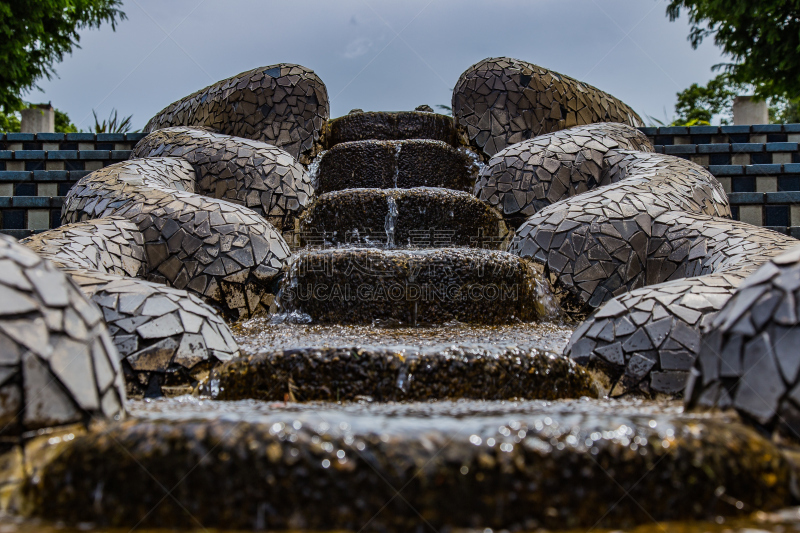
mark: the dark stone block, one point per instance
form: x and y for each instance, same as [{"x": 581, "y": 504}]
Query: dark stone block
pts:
[
  {"x": 788, "y": 183},
  {"x": 761, "y": 159},
  {"x": 25, "y": 189},
  {"x": 14, "y": 219},
  {"x": 776, "y": 215},
  {"x": 719, "y": 159}
]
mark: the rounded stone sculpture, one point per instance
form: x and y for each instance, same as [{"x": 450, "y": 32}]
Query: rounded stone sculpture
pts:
[
  {"x": 749, "y": 357},
  {"x": 390, "y": 126},
  {"x": 165, "y": 337},
  {"x": 251, "y": 173},
  {"x": 653, "y": 250},
  {"x": 365, "y": 286},
  {"x": 502, "y": 101},
  {"x": 223, "y": 252},
  {"x": 528, "y": 176},
  {"x": 648, "y": 339},
  {"x": 404, "y": 164},
  {"x": 421, "y": 217},
  {"x": 57, "y": 362},
  {"x": 284, "y": 105},
  {"x": 617, "y": 238}
]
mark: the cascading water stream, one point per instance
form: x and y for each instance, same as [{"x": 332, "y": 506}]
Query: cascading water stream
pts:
[
  {"x": 313, "y": 169},
  {"x": 391, "y": 220},
  {"x": 397, "y": 147}
]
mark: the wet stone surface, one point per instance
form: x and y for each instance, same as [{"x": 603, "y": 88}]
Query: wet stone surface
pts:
[
  {"x": 404, "y": 164},
  {"x": 423, "y": 217},
  {"x": 385, "y": 125},
  {"x": 369, "y": 286},
  {"x": 401, "y": 373},
  {"x": 244, "y": 465}
]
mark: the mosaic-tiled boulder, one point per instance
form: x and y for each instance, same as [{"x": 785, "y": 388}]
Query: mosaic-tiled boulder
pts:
[
  {"x": 415, "y": 287},
  {"x": 251, "y": 173},
  {"x": 388, "y": 126},
  {"x": 632, "y": 233},
  {"x": 648, "y": 339},
  {"x": 223, "y": 252},
  {"x": 57, "y": 362},
  {"x": 166, "y": 338},
  {"x": 403, "y": 164},
  {"x": 750, "y": 352},
  {"x": 421, "y": 217},
  {"x": 502, "y": 101},
  {"x": 284, "y": 105},
  {"x": 528, "y": 176}
]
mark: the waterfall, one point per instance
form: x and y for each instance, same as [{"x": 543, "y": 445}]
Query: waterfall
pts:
[
  {"x": 475, "y": 163},
  {"x": 313, "y": 169},
  {"x": 397, "y": 148},
  {"x": 391, "y": 220}
]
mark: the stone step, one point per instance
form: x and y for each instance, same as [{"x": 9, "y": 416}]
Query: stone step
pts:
[
  {"x": 387, "y": 164},
  {"x": 501, "y": 465},
  {"x": 402, "y": 373},
  {"x": 420, "y": 217},
  {"x": 416, "y": 287},
  {"x": 390, "y": 125}
]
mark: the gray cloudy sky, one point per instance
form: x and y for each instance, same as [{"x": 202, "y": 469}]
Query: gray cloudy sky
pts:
[{"x": 374, "y": 54}]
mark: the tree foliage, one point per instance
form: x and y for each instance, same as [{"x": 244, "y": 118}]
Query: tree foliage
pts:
[
  {"x": 762, "y": 38},
  {"x": 11, "y": 122},
  {"x": 35, "y": 34},
  {"x": 698, "y": 104}
]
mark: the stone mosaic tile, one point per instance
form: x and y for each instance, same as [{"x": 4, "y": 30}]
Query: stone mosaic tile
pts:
[
  {"x": 501, "y": 101},
  {"x": 58, "y": 364},
  {"x": 530, "y": 175},
  {"x": 284, "y": 105},
  {"x": 251, "y": 173},
  {"x": 223, "y": 252},
  {"x": 651, "y": 247},
  {"x": 165, "y": 337},
  {"x": 748, "y": 354}
]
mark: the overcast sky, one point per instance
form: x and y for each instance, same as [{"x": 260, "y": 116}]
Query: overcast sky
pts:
[{"x": 374, "y": 54}]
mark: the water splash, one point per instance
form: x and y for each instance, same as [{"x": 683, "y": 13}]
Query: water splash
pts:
[
  {"x": 475, "y": 165},
  {"x": 391, "y": 220},
  {"x": 313, "y": 169},
  {"x": 550, "y": 308},
  {"x": 397, "y": 147}
]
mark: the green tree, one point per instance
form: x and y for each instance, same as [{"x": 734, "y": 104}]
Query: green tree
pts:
[
  {"x": 10, "y": 122},
  {"x": 761, "y": 37},
  {"x": 63, "y": 123},
  {"x": 35, "y": 34},
  {"x": 698, "y": 104}
]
